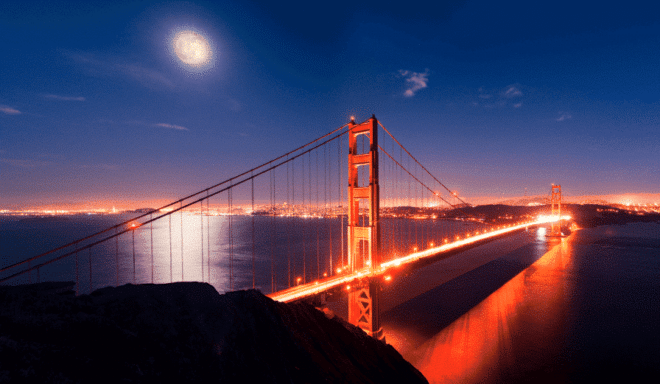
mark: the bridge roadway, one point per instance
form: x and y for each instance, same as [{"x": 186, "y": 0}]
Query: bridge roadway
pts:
[{"x": 345, "y": 281}]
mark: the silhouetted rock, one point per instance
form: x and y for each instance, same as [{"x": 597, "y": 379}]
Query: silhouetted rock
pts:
[{"x": 182, "y": 332}]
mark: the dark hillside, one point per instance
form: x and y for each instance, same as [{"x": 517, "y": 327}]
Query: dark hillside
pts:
[{"x": 182, "y": 332}]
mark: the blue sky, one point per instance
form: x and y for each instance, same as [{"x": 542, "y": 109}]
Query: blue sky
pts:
[{"x": 492, "y": 97}]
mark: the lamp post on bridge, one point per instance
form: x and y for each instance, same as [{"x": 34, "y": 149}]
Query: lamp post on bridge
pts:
[{"x": 364, "y": 238}]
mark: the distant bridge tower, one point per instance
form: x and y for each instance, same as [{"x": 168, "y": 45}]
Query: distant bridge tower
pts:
[
  {"x": 364, "y": 237},
  {"x": 555, "y": 202}
]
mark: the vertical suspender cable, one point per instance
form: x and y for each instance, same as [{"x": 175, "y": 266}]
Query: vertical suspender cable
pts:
[
  {"x": 397, "y": 203},
  {"x": 341, "y": 199},
  {"x": 171, "y": 261},
  {"x": 309, "y": 186},
  {"x": 231, "y": 239},
  {"x": 405, "y": 233},
  {"x": 293, "y": 202},
  {"x": 318, "y": 249},
  {"x": 392, "y": 203},
  {"x": 254, "y": 282},
  {"x": 326, "y": 165},
  {"x": 272, "y": 232},
  {"x": 288, "y": 227},
  {"x": 274, "y": 228},
  {"x": 182, "y": 279},
  {"x": 409, "y": 203},
  {"x": 151, "y": 228},
  {"x": 424, "y": 224},
  {"x": 116, "y": 257},
  {"x": 303, "y": 224},
  {"x": 133, "y": 237},
  {"x": 208, "y": 239},
  {"x": 416, "y": 210},
  {"x": 388, "y": 189},
  {"x": 201, "y": 231},
  {"x": 383, "y": 193},
  {"x": 425, "y": 240}
]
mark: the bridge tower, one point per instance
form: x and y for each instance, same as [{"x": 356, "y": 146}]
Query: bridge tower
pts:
[
  {"x": 555, "y": 202},
  {"x": 364, "y": 235}
]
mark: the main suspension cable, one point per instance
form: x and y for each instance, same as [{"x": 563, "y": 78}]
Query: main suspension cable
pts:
[{"x": 420, "y": 164}]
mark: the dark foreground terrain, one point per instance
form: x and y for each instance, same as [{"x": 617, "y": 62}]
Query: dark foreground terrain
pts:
[{"x": 182, "y": 332}]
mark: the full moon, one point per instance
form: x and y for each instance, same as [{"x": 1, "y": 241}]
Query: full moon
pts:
[{"x": 192, "y": 48}]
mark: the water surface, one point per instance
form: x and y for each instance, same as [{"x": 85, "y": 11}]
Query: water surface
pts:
[{"x": 582, "y": 308}]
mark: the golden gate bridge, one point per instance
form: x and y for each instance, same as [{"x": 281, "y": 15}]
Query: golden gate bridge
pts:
[{"x": 337, "y": 216}]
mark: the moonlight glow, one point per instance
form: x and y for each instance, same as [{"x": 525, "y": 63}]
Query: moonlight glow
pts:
[{"x": 192, "y": 49}]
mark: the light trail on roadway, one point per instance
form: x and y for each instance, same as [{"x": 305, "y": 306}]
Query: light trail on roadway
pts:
[{"x": 386, "y": 269}]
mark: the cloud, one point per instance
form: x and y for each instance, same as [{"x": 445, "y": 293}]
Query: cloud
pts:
[
  {"x": 105, "y": 167},
  {"x": 144, "y": 75},
  {"x": 171, "y": 126},
  {"x": 64, "y": 98},
  {"x": 234, "y": 105},
  {"x": 34, "y": 163},
  {"x": 564, "y": 116},
  {"x": 25, "y": 163},
  {"x": 114, "y": 66},
  {"x": 9, "y": 110},
  {"x": 416, "y": 81},
  {"x": 483, "y": 94},
  {"x": 512, "y": 91},
  {"x": 142, "y": 123},
  {"x": 499, "y": 98}
]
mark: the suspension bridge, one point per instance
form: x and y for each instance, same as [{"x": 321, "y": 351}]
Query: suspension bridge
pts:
[{"x": 336, "y": 216}]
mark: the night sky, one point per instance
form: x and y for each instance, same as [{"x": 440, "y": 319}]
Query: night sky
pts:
[{"x": 95, "y": 104}]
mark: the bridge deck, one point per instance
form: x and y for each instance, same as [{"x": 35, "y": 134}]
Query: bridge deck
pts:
[{"x": 336, "y": 282}]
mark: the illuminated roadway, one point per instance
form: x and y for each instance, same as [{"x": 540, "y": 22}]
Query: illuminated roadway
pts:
[{"x": 344, "y": 281}]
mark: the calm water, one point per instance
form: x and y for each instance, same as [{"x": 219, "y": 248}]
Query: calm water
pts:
[
  {"x": 582, "y": 309},
  {"x": 520, "y": 309},
  {"x": 192, "y": 247}
]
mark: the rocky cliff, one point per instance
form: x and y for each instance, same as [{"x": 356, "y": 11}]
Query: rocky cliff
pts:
[{"x": 182, "y": 332}]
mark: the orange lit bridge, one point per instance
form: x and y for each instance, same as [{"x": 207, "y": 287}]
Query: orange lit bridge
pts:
[
  {"x": 350, "y": 281},
  {"x": 338, "y": 215}
]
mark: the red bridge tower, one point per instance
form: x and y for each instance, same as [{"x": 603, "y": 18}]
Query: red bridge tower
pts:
[
  {"x": 364, "y": 235},
  {"x": 555, "y": 201}
]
